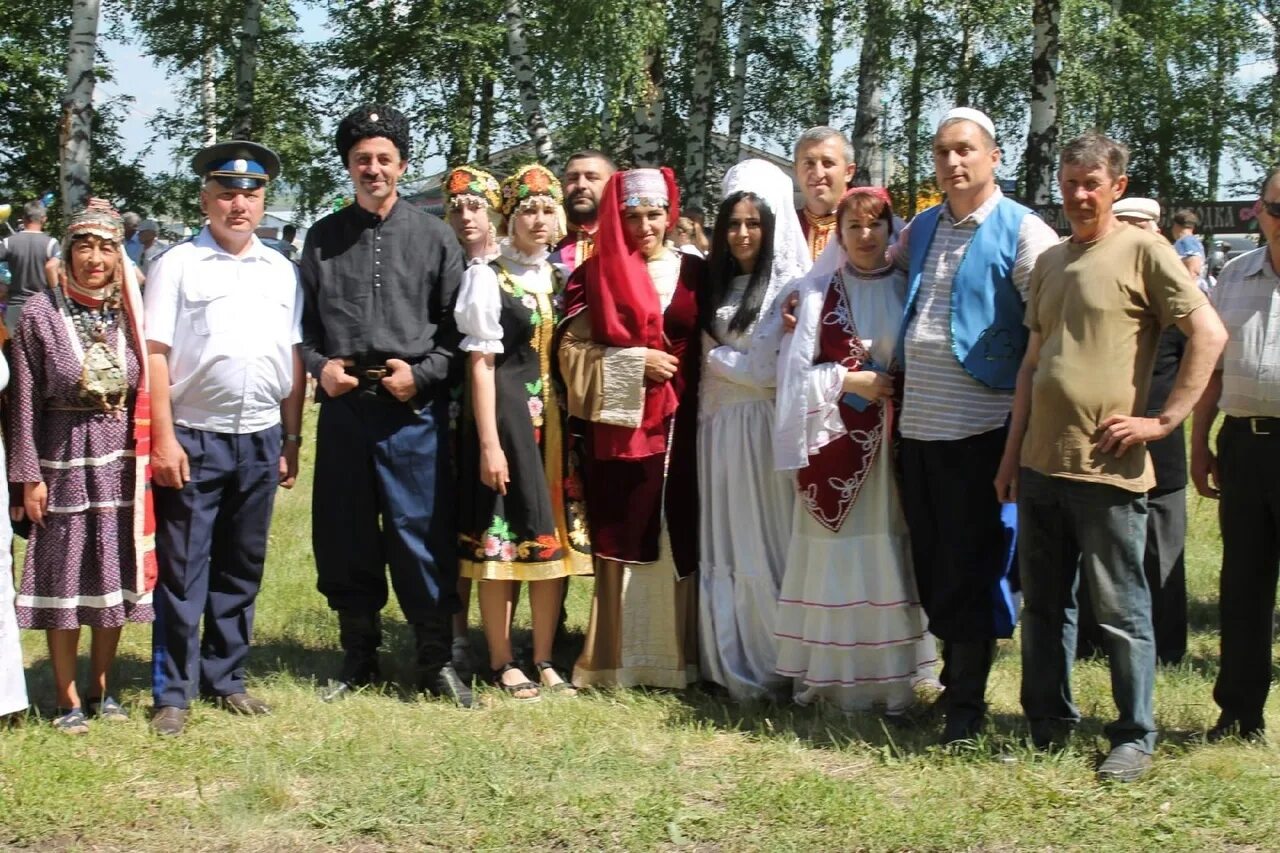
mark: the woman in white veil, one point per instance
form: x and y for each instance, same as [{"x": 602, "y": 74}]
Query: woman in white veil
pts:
[{"x": 745, "y": 503}]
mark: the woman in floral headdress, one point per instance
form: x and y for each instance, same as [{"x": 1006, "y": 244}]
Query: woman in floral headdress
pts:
[
  {"x": 80, "y": 440},
  {"x": 629, "y": 356},
  {"x": 522, "y": 516},
  {"x": 473, "y": 209},
  {"x": 473, "y": 205},
  {"x": 849, "y": 624}
]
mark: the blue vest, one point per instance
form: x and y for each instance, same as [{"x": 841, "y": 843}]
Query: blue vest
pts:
[{"x": 987, "y": 332}]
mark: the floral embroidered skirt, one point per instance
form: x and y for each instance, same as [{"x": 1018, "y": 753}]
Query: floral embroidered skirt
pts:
[{"x": 538, "y": 529}]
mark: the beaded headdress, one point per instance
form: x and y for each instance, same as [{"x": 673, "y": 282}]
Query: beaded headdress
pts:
[
  {"x": 98, "y": 218},
  {"x": 468, "y": 181},
  {"x": 528, "y": 182},
  {"x": 644, "y": 187}
]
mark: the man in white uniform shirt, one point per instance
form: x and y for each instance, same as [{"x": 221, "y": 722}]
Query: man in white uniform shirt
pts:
[{"x": 223, "y": 328}]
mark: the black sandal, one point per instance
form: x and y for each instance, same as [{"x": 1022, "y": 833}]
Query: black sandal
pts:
[
  {"x": 564, "y": 688},
  {"x": 512, "y": 689}
]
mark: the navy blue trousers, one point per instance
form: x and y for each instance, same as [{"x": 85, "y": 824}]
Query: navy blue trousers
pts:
[
  {"x": 383, "y": 496},
  {"x": 211, "y": 543}
]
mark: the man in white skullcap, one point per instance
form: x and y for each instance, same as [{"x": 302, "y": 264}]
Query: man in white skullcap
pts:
[{"x": 969, "y": 260}]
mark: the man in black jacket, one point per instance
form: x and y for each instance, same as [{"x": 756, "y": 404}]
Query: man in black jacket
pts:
[{"x": 379, "y": 281}]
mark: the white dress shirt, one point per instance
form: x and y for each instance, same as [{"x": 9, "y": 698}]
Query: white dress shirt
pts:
[{"x": 230, "y": 323}]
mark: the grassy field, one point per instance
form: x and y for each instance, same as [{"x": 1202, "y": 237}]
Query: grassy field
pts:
[{"x": 617, "y": 771}]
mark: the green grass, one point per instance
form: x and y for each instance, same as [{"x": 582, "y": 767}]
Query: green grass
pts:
[{"x": 612, "y": 770}]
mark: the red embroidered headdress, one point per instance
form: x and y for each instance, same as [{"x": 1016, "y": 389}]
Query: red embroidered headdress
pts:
[{"x": 624, "y": 306}]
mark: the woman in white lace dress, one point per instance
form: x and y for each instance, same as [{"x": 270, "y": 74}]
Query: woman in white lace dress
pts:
[{"x": 745, "y": 504}]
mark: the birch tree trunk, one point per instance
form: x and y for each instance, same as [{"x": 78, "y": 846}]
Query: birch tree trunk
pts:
[
  {"x": 702, "y": 103},
  {"x": 1223, "y": 67},
  {"x": 964, "y": 70},
  {"x": 872, "y": 64},
  {"x": 526, "y": 85},
  {"x": 1272, "y": 15},
  {"x": 77, "y": 106},
  {"x": 738, "y": 95},
  {"x": 246, "y": 70},
  {"x": 646, "y": 135},
  {"x": 1042, "y": 138},
  {"x": 209, "y": 94},
  {"x": 915, "y": 103},
  {"x": 484, "y": 125},
  {"x": 822, "y": 99},
  {"x": 459, "y": 123}
]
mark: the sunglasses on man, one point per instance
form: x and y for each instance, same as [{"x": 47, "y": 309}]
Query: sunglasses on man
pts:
[{"x": 1271, "y": 207}]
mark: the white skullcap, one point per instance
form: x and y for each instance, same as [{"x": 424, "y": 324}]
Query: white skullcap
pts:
[
  {"x": 978, "y": 117},
  {"x": 1146, "y": 209}
]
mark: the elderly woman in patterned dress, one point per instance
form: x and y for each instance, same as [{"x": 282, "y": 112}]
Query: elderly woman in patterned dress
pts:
[{"x": 79, "y": 441}]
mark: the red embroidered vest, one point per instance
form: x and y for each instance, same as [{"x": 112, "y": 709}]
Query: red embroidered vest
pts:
[{"x": 830, "y": 483}]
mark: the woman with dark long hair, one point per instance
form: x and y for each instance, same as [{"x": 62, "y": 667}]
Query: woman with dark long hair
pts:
[{"x": 746, "y": 505}]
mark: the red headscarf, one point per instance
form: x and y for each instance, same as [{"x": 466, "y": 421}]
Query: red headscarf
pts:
[{"x": 625, "y": 312}]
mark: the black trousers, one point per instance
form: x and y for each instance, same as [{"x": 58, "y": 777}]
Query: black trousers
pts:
[
  {"x": 961, "y": 542},
  {"x": 1249, "y": 515}
]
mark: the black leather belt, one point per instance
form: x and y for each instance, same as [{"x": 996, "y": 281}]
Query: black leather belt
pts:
[
  {"x": 1257, "y": 426},
  {"x": 367, "y": 372}
]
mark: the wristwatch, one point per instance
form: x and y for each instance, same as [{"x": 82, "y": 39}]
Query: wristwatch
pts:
[{"x": 295, "y": 438}]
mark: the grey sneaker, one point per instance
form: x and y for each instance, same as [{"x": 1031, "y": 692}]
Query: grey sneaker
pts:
[{"x": 1125, "y": 763}]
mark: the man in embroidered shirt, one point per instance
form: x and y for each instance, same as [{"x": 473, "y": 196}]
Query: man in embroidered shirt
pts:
[
  {"x": 380, "y": 278},
  {"x": 968, "y": 261},
  {"x": 824, "y": 170},
  {"x": 222, "y": 328},
  {"x": 1245, "y": 474},
  {"x": 1076, "y": 459},
  {"x": 585, "y": 176}
]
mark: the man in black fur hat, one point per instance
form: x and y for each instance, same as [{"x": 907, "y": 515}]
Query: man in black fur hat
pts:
[{"x": 379, "y": 281}]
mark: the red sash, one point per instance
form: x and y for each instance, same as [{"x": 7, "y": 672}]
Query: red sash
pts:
[{"x": 830, "y": 483}]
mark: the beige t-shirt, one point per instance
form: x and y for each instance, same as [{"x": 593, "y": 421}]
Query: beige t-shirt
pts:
[{"x": 1099, "y": 308}]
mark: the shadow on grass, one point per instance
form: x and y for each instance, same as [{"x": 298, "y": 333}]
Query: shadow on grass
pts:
[{"x": 818, "y": 727}]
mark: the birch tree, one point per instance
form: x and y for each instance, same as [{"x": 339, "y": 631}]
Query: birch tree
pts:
[
  {"x": 822, "y": 103},
  {"x": 702, "y": 102},
  {"x": 873, "y": 66},
  {"x": 738, "y": 92},
  {"x": 1042, "y": 138},
  {"x": 526, "y": 84},
  {"x": 76, "y": 127},
  {"x": 209, "y": 94},
  {"x": 646, "y": 135},
  {"x": 246, "y": 70}
]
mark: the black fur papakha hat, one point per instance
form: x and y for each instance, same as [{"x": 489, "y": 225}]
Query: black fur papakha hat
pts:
[{"x": 373, "y": 120}]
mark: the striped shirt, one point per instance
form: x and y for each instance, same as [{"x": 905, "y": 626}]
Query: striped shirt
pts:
[
  {"x": 942, "y": 402},
  {"x": 1248, "y": 299}
]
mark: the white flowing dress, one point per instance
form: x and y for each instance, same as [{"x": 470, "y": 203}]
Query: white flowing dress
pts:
[
  {"x": 850, "y": 628},
  {"x": 746, "y": 510},
  {"x": 13, "y": 685}
]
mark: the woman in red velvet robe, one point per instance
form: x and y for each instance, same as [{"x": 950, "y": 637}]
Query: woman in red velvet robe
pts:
[{"x": 629, "y": 356}]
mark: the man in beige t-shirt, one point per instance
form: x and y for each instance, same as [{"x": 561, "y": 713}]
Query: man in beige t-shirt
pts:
[{"x": 1078, "y": 433}]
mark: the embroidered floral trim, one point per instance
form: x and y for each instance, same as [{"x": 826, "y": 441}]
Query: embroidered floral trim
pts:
[{"x": 499, "y": 543}]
